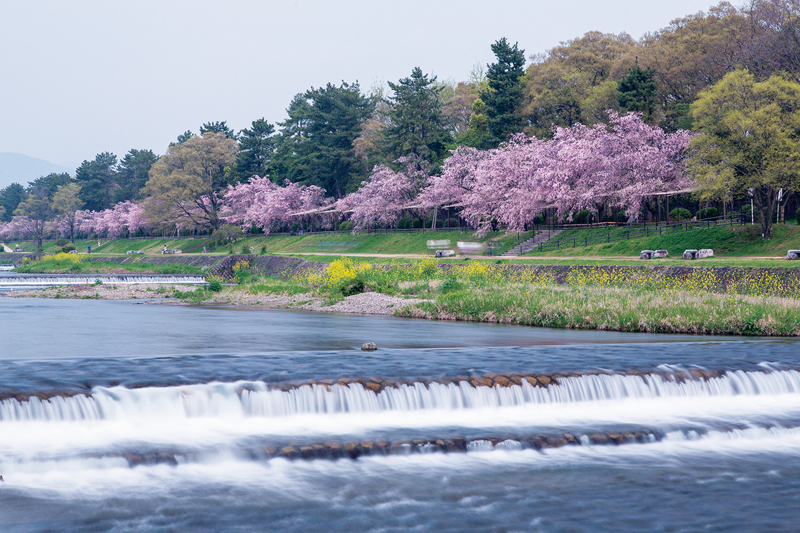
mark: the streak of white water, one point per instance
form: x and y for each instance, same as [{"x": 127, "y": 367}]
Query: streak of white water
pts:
[
  {"x": 249, "y": 399},
  {"x": 54, "y": 280},
  {"x": 97, "y": 478}
]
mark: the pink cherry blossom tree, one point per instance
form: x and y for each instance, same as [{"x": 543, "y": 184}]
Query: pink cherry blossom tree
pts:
[
  {"x": 123, "y": 217},
  {"x": 382, "y": 198},
  {"x": 580, "y": 168},
  {"x": 267, "y": 205}
]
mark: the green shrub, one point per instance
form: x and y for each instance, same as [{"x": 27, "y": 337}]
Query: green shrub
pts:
[
  {"x": 246, "y": 250},
  {"x": 347, "y": 225},
  {"x": 214, "y": 284},
  {"x": 405, "y": 223},
  {"x": 450, "y": 285},
  {"x": 263, "y": 250},
  {"x": 679, "y": 214},
  {"x": 68, "y": 247},
  {"x": 356, "y": 287},
  {"x": 227, "y": 234},
  {"x": 620, "y": 217},
  {"x": 707, "y": 212},
  {"x": 61, "y": 242},
  {"x": 583, "y": 216},
  {"x": 242, "y": 271}
]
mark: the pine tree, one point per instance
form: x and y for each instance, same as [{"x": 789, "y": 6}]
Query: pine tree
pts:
[
  {"x": 418, "y": 129},
  {"x": 503, "y": 97},
  {"x": 636, "y": 91}
]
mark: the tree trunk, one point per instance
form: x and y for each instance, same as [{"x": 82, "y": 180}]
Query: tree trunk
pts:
[{"x": 765, "y": 200}]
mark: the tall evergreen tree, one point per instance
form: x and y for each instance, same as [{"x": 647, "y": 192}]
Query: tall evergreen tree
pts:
[
  {"x": 50, "y": 183},
  {"x": 10, "y": 198},
  {"x": 316, "y": 141},
  {"x": 98, "y": 181},
  {"x": 418, "y": 128},
  {"x": 637, "y": 91},
  {"x": 256, "y": 150},
  {"x": 133, "y": 173},
  {"x": 503, "y": 97},
  {"x": 183, "y": 137},
  {"x": 218, "y": 127}
]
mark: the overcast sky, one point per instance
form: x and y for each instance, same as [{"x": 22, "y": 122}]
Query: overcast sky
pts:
[{"x": 81, "y": 77}]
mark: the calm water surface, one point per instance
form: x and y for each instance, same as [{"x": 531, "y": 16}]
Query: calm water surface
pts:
[{"x": 122, "y": 416}]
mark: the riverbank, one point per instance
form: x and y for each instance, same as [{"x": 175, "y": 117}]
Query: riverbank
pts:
[
  {"x": 368, "y": 303},
  {"x": 655, "y": 299}
]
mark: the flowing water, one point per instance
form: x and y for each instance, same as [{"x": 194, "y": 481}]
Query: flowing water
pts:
[
  {"x": 122, "y": 416},
  {"x": 10, "y": 280}
]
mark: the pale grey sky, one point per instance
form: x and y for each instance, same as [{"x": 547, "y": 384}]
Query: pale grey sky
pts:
[{"x": 81, "y": 77}]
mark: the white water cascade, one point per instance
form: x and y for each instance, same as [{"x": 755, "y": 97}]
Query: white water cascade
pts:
[
  {"x": 43, "y": 280},
  {"x": 257, "y": 400}
]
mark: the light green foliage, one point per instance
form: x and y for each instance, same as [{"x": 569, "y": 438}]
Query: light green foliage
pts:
[
  {"x": 750, "y": 140},
  {"x": 184, "y": 183}
]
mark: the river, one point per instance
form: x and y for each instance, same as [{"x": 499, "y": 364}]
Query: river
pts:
[{"x": 125, "y": 416}]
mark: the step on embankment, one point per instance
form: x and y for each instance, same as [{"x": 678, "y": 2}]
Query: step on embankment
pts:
[{"x": 528, "y": 245}]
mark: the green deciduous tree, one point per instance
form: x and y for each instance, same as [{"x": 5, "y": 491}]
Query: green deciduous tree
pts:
[
  {"x": 575, "y": 82},
  {"x": 65, "y": 202},
  {"x": 185, "y": 183},
  {"x": 37, "y": 211},
  {"x": 749, "y": 142},
  {"x": 417, "y": 128},
  {"x": 98, "y": 181}
]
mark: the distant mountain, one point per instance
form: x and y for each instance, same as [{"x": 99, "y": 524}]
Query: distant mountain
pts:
[{"x": 22, "y": 169}]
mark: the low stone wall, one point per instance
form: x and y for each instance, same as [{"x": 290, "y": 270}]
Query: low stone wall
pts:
[
  {"x": 270, "y": 265},
  {"x": 208, "y": 261}
]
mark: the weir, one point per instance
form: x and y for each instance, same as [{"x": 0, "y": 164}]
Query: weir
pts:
[
  {"x": 259, "y": 399},
  {"x": 52, "y": 280}
]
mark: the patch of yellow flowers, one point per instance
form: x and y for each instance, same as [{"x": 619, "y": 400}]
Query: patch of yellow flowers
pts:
[{"x": 755, "y": 282}]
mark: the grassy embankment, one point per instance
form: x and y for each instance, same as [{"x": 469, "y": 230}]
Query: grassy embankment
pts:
[
  {"x": 761, "y": 302},
  {"x": 64, "y": 263},
  {"x": 756, "y": 302},
  {"x": 727, "y": 242},
  {"x": 334, "y": 244}
]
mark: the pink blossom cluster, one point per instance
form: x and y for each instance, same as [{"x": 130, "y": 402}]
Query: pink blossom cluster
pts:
[
  {"x": 125, "y": 216},
  {"x": 381, "y": 198},
  {"x": 267, "y": 205},
  {"x": 21, "y": 227},
  {"x": 580, "y": 168}
]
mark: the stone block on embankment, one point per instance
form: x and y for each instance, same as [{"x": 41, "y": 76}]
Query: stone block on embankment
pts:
[
  {"x": 793, "y": 254},
  {"x": 646, "y": 254},
  {"x": 660, "y": 253},
  {"x": 690, "y": 254},
  {"x": 705, "y": 252}
]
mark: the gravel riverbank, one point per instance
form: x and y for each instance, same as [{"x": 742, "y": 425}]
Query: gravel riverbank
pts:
[{"x": 368, "y": 303}]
